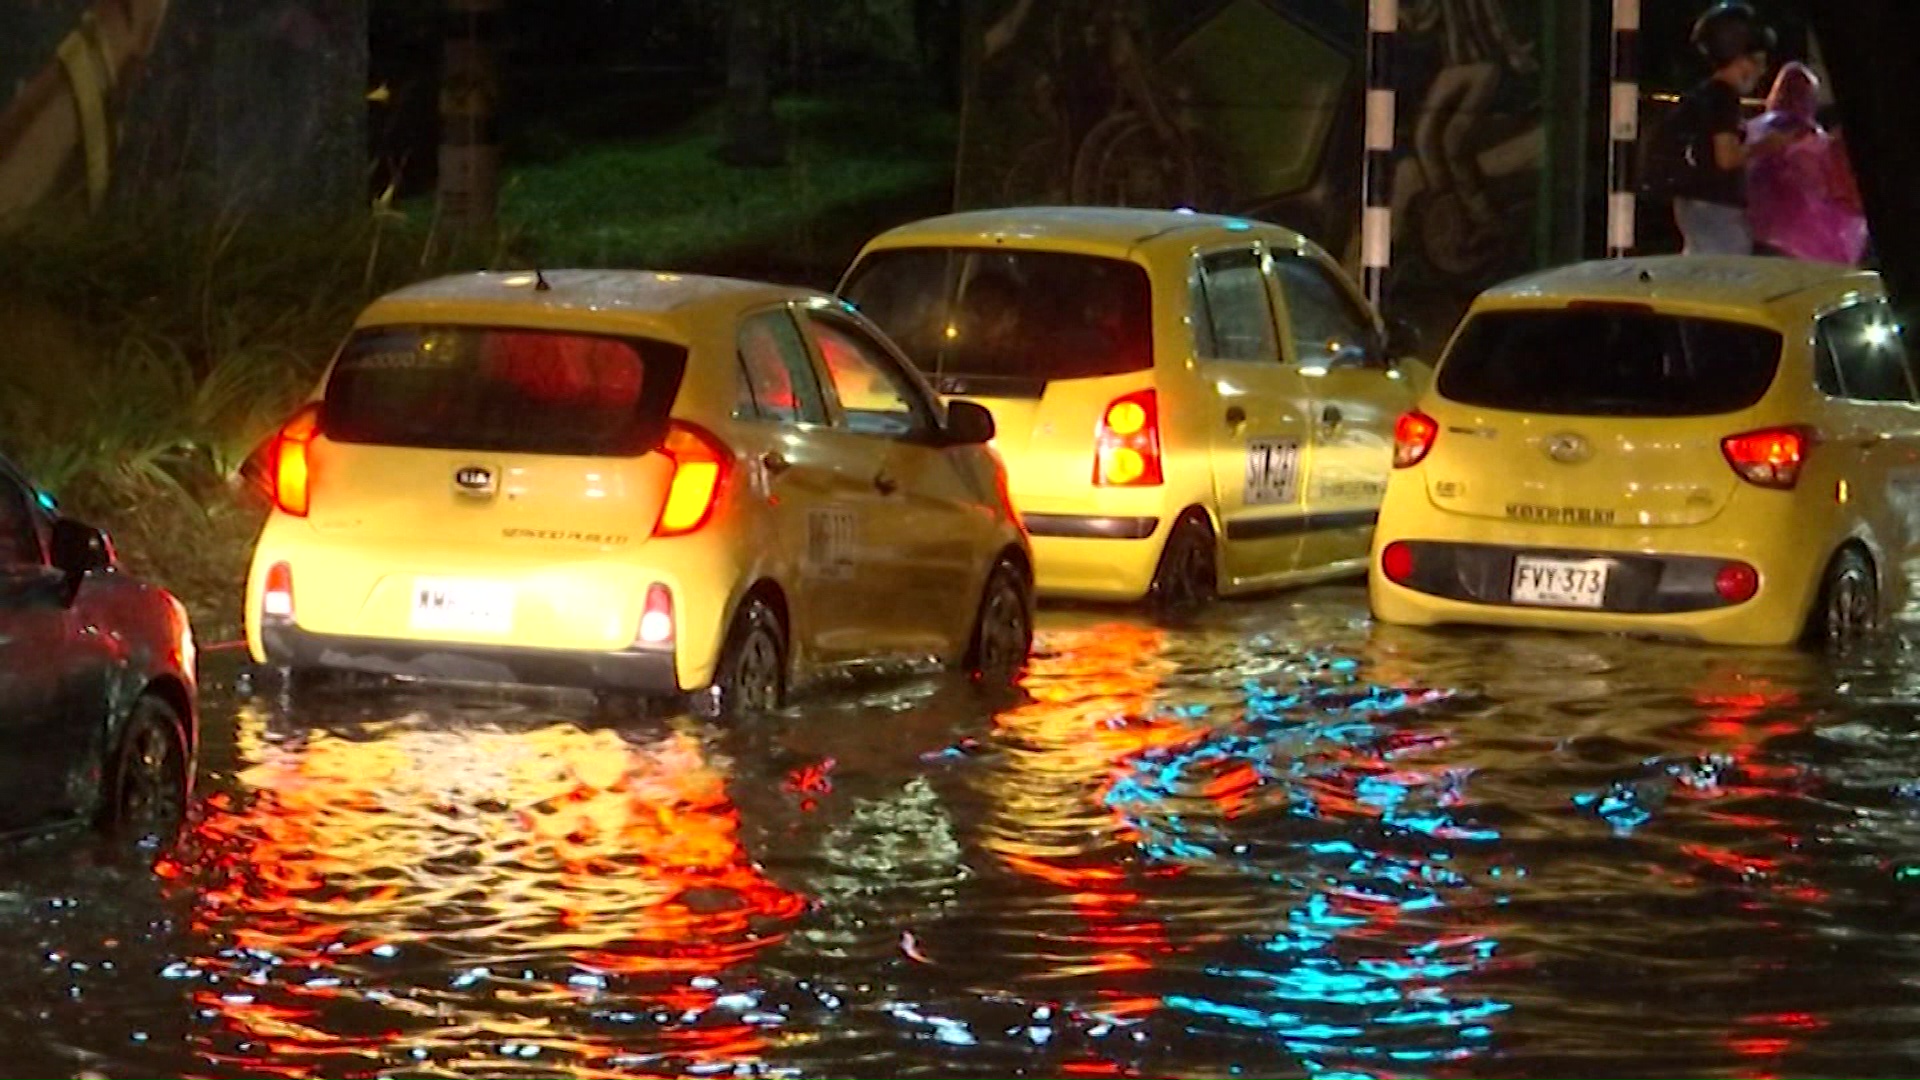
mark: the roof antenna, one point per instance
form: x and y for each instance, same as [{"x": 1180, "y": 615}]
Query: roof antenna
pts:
[
  {"x": 1646, "y": 276},
  {"x": 540, "y": 281}
]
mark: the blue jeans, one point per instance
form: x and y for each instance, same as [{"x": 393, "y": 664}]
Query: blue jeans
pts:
[{"x": 1713, "y": 228}]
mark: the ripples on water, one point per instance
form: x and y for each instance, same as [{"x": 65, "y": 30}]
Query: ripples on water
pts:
[{"x": 1278, "y": 843}]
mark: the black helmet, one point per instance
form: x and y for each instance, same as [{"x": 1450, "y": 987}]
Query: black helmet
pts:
[{"x": 1729, "y": 31}]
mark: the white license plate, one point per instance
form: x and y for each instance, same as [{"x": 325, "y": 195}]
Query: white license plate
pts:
[
  {"x": 1560, "y": 582},
  {"x": 446, "y": 604}
]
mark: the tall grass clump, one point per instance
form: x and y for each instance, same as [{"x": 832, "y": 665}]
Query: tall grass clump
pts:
[{"x": 141, "y": 363}]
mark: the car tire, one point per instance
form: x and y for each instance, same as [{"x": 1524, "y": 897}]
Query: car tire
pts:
[
  {"x": 148, "y": 778},
  {"x": 1187, "y": 577},
  {"x": 751, "y": 677},
  {"x": 1848, "y": 608},
  {"x": 1002, "y": 635}
]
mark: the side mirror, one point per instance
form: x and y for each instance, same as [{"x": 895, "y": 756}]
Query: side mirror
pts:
[
  {"x": 968, "y": 424},
  {"x": 1403, "y": 338},
  {"x": 79, "y": 550}
]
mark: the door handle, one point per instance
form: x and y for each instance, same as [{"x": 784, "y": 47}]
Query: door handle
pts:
[
  {"x": 1331, "y": 416},
  {"x": 885, "y": 484},
  {"x": 1236, "y": 415},
  {"x": 775, "y": 462}
]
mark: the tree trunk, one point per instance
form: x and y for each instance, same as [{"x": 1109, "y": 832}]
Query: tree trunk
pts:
[
  {"x": 469, "y": 189},
  {"x": 752, "y": 136}
]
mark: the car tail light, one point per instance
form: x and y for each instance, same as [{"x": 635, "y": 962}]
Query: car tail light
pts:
[
  {"x": 1771, "y": 458},
  {"x": 1736, "y": 582},
  {"x": 1396, "y": 561},
  {"x": 276, "y": 600},
  {"x": 1413, "y": 436},
  {"x": 1127, "y": 446},
  {"x": 699, "y": 467},
  {"x": 656, "y": 621},
  {"x": 291, "y": 467}
]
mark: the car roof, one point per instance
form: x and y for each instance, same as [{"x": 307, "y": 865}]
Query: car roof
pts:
[
  {"x": 1723, "y": 281},
  {"x": 578, "y": 297},
  {"x": 1100, "y": 227}
]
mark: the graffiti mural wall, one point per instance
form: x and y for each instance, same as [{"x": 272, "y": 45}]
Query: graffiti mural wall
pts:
[
  {"x": 1255, "y": 107},
  {"x": 220, "y": 107}
]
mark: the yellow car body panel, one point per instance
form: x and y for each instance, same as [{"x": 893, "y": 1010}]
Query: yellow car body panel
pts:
[
  {"x": 1283, "y": 454},
  {"x": 1656, "y": 499},
  {"x": 555, "y": 560}
]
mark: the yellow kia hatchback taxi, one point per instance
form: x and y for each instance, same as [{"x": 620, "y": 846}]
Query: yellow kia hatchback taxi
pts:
[
  {"x": 1725, "y": 449},
  {"x": 1187, "y": 404},
  {"x": 632, "y": 482}
]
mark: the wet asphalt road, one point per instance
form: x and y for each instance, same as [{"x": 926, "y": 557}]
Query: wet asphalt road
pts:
[{"x": 1284, "y": 843}]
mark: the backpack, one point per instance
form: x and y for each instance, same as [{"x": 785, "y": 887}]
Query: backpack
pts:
[{"x": 1675, "y": 158}]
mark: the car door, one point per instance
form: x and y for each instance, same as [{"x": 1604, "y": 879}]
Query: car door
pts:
[
  {"x": 1356, "y": 397},
  {"x": 790, "y": 456},
  {"x": 922, "y": 536},
  {"x": 1258, "y": 405},
  {"x": 35, "y": 627},
  {"x": 1861, "y": 357}
]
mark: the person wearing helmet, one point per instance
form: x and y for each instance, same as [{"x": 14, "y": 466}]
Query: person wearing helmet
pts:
[{"x": 1711, "y": 206}]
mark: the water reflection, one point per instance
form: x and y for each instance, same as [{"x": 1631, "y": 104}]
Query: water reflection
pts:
[
  {"x": 1279, "y": 842},
  {"x": 554, "y": 895}
]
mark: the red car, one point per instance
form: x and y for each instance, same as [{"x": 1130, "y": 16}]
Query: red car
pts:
[{"x": 98, "y": 720}]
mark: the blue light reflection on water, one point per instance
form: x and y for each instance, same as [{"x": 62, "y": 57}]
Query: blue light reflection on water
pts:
[{"x": 1369, "y": 970}]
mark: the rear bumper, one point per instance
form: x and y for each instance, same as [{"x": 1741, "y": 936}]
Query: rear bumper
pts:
[
  {"x": 639, "y": 671},
  {"x": 1095, "y": 558},
  {"x": 1655, "y": 595}
]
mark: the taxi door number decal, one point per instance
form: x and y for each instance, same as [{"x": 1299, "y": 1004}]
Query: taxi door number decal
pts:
[
  {"x": 1273, "y": 471},
  {"x": 830, "y": 543}
]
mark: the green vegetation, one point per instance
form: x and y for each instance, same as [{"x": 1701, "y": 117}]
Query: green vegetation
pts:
[{"x": 144, "y": 363}]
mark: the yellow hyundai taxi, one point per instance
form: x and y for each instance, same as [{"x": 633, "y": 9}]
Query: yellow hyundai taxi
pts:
[
  {"x": 640, "y": 483},
  {"x": 1187, "y": 404},
  {"x": 1723, "y": 449}
]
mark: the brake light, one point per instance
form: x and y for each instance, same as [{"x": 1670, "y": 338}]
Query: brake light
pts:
[
  {"x": 1771, "y": 458},
  {"x": 292, "y": 470},
  {"x": 1396, "y": 561},
  {"x": 276, "y": 600},
  {"x": 656, "y": 622},
  {"x": 1127, "y": 445},
  {"x": 1413, "y": 436},
  {"x": 1736, "y": 582},
  {"x": 699, "y": 466}
]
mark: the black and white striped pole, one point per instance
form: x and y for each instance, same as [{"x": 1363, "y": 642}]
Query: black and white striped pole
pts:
[
  {"x": 1376, "y": 174},
  {"x": 1623, "y": 128}
]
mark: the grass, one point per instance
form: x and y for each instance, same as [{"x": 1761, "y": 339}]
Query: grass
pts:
[{"x": 145, "y": 362}]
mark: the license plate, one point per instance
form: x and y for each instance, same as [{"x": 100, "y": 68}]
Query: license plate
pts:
[
  {"x": 443, "y": 604},
  {"x": 1560, "y": 582}
]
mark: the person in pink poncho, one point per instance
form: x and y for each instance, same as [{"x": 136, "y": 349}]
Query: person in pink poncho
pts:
[{"x": 1797, "y": 201}]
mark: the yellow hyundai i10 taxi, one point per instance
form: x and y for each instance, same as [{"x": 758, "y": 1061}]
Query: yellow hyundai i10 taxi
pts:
[
  {"x": 1724, "y": 449},
  {"x": 1187, "y": 404},
  {"x": 632, "y": 482}
]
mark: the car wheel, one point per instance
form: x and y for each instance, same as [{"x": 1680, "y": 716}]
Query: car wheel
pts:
[
  {"x": 752, "y": 674},
  {"x": 146, "y": 793},
  {"x": 1187, "y": 578},
  {"x": 1849, "y": 606},
  {"x": 1003, "y": 628}
]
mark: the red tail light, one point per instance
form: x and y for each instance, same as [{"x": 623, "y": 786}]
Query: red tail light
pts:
[
  {"x": 276, "y": 600},
  {"x": 699, "y": 467},
  {"x": 1396, "y": 561},
  {"x": 1737, "y": 583},
  {"x": 1127, "y": 445},
  {"x": 656, "y": 622},
  {"x": 1771, "y": 458},
  {"x": 290, "y": 468},
  {"x": 1413, "y": 436}
]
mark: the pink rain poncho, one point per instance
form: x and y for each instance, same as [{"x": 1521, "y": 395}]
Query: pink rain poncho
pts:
[{"x": 1796, "y": 200}]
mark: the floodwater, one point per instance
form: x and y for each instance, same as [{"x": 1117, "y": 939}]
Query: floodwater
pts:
[{"x": 1280, "y": 842}]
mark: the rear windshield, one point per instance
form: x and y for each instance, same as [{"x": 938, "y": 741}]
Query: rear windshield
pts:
[
  {"x": 1608, "y": 362},
  {"x": 1009, "y": 314},
  {"x": 503, "y": 390}
]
